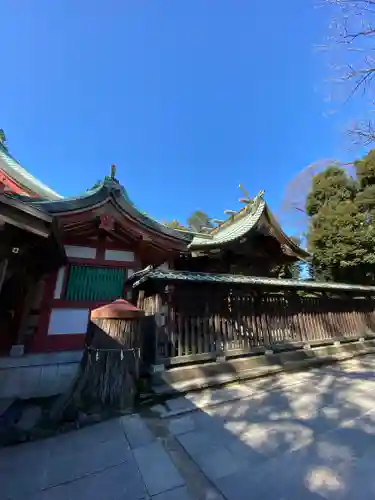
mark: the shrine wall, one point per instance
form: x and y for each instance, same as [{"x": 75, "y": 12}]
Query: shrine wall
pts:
[{"x": 94, "y": 275}]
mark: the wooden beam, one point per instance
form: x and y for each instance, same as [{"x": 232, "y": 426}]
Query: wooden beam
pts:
[
  {"x": 24, "y": 208},
  {"x": 24, "y": 222}
]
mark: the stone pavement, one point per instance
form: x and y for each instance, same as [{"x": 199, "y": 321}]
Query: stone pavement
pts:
[{"x": 293, "y": 437}]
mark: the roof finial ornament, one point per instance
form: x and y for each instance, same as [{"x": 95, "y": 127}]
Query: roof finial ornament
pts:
[
  {"x": 259, "y": 196},
  {"x": 247, "y": 198},
  {"x": 113, "y": 171}
]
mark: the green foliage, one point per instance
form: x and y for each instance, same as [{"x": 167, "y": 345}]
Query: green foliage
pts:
[
  {"x": 196, "y": 222},
  {"x": 174, "y": 224},
  {"x": 331, "y": 184},
  {"x": 199, "y": 220},
  {"x": 340, "y": 235},
  {"x": 365, "y": 170}
]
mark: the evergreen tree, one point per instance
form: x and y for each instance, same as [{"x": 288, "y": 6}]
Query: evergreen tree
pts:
[
  {"x": 339, "y": 236},
  {"x": 333, "y": 226},
  {"x": 365, "y": 201},
  {"x": 365, "y": 172},
  {"x": 199, "y": 220},
  {"x": 174, "y": 224}
]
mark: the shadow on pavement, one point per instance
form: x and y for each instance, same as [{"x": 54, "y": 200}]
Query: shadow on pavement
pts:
[{"x": 306, "y": 435}]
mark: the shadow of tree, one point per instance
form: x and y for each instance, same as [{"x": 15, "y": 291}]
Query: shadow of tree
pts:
[{"x": 308, "y": 435}]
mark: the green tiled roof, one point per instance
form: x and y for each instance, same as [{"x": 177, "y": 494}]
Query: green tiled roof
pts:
[
  {"x": 108, "y": 189},
  {"x": 235, "y": 227},
  {"x": 151, "y": 273},
  {"x": 11, "y": 167},
  {"x": 242, "y": 223}
]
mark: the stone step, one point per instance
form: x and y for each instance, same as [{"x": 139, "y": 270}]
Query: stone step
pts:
[{"x": 184, "y": 379}]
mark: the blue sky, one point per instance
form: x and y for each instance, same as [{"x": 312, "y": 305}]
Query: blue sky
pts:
[{"x": 187, "y": 98}]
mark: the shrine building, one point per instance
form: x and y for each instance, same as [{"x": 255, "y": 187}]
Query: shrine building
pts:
[{"x": 62, "y": 257}]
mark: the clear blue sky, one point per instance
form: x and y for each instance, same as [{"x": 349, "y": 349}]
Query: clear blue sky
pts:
[{"x": 187, "y": 97}]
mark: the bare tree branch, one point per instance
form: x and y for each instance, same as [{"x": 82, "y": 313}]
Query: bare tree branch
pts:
[
  {"x": 351, "y": 43},
  {"x": 292, "y": 212}
]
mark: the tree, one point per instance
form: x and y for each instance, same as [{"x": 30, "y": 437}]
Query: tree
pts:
[
  {"x": 199, "y": 220},
  {"x": 352, "y": 43},
  {"x": 338, "y": 235},
  {"x": 293, "y": 207},
  {"x": 365, "y": 201},
  {"x": 330, "y": 190},
  {"x": 331, "y": 184},
  {"x": 174, "y": 224},
  {"x": 365, "y": 173}
]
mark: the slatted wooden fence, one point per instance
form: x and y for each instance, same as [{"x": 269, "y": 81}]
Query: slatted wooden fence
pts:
[{"x": 201, "y": 325}]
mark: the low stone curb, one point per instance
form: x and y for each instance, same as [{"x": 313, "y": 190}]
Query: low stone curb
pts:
[{"x": 252, "y": 374}]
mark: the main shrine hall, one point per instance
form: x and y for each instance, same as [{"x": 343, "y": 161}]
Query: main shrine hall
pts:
[{"x": 62, "y": 257}]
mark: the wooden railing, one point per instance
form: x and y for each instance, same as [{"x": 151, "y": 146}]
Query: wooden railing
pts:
[{"x": 246, "y": 322}]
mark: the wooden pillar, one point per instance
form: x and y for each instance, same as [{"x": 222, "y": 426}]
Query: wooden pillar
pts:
[
  {"x": 28, "y": 300},
  {"x": 3, "y": 271}
]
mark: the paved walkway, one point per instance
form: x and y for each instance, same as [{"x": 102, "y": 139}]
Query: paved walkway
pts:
[{"x": 305, "y": 436}]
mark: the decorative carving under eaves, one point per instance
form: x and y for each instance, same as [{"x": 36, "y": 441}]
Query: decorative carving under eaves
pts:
[{"x": 107, "y": 222}]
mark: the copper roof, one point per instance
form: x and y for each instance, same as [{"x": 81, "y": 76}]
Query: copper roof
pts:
[
  {"x": 118, "y": 309},
  {"x": 149, "y": 273}
]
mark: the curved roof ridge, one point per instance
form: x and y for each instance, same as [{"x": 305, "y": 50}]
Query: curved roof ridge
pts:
[
  {"x": 282, "y": 233},
  {"x": 109, "y": 188},
  {"x": 150, "y": 273},
  {"x": 14, "y": 169},
  {"x": 235, "y": 228},
  {"x": 232, "y": 218}
]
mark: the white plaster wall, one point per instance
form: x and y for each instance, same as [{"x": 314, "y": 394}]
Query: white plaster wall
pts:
[
  {"x": 119, "y": 255},
  {"x": 68, "y": 320},
  {"x": 80, "y": 252}
]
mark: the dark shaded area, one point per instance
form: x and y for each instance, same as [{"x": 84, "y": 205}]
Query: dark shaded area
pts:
[
  {"x": 109, "y": 373},
  {"x": 204, "y": 320}
]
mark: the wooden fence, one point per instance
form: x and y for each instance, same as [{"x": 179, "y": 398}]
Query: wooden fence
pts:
[{"x": 202, "y": 326}]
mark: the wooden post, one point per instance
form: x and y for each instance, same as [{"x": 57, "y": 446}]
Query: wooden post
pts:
[
  {"x": 28, "y": 300},
  {"x": 3, "y": 271}
]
